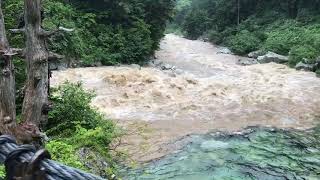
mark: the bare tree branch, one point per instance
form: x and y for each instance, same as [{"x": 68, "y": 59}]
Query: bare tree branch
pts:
[
  {"x": 17, "y": 31},
  {"x": 53, "y": 32},
  {"x": 12, "y": 52}
]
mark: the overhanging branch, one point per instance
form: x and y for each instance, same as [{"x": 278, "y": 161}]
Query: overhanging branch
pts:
[
  {"x": 50, "y": 33},
  {"x": 13, "y": 51},
  {"x": 17, "y": 31}
]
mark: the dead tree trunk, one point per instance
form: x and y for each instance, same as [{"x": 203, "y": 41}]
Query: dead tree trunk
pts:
[
  {"x": 35, "y": 104},
  {"x": 7, "y": 83},
  {"x": 238, "y": 12},
  {"x": 293, "y": 8}
]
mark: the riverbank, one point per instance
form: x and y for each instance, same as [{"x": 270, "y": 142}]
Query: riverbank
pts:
[{"x": 203, "y": 90}]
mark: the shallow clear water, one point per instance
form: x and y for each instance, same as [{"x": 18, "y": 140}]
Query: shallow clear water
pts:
[{"x": 264, "y": 154}]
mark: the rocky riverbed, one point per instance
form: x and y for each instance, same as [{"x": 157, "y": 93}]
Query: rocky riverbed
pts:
[{"x": 200, "y": 90}]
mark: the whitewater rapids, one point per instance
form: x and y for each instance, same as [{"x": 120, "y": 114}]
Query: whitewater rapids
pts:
[{"x": 210, "y": 92}]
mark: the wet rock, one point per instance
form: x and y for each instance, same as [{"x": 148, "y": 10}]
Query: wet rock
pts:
[
  {"x": 94, "y": 161},
  {"x": 203, "y": 38},
  {"x": 303, "y": 66},
  {"x": 247, "y": 61},
  {"x": 224, "y": 50},
  {"x": 53, "y": 66},
  {"x": 93, "y": 64},
  {"x": 256, "y": 54},
  {"x": 155, "y": 63},
  {"x": 166, "y": 67},
  {"x": 308, "y": 61},
  {"x": 272, "y": 57},
  {"x": 135, "y": 66},
  {"x": 317, "y": 64},
  {"x": 59, "y": 66}
]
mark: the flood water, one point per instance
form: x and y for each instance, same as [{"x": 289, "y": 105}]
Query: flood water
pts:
[
  {"x": 206, "y": 92},
  {"x": 254, "y": 154}
]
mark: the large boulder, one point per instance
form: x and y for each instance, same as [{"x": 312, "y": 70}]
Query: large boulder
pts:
[
  {"x": 256, "y": 54},
  {"x": 272, "y": 57},
  {"x": 224, "y": 50},
  {"x": 304, "y": 66}
]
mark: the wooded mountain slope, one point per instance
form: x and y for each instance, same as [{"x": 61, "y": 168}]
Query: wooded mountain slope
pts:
[
  {"x": 106, "y": 31},
  {"x": 290, "y": 27}
]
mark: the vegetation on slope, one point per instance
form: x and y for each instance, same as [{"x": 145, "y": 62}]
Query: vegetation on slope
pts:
[
  {"x": 109, "y": 32},
  {"x": 105, "y": 31},
  {"x": 74, "y": 125},
  {"x": 286, "y": 27}
]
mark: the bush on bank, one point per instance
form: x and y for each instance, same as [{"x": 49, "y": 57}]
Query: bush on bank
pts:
[{"x": 74, "y": 124}]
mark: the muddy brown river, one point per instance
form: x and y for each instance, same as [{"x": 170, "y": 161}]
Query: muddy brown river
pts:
[{"x": 209, "y": 91}]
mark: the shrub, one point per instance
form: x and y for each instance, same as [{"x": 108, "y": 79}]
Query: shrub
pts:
[
  {"x": 72, "y": 108},
  {"x": 196, "y": 23},
  {"x": 215, "y": 37},
  {"x": 243, "y": 42},
  {"x": 97, "y": 139},
  {"x": 2, "y": 172},
  {"x": 64, "y": 153},
  {"x": 318, "y": 72},
  {"x": 282, "y": 39},
  {"x": 73, "y": 124},
  {"x": 297, "y": 53}
]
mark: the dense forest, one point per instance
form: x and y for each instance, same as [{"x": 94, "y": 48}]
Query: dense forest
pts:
[
  {"x": 109, "y": 31},
  {"x": 100, "y": 32},
  {"x": 290, "y": 27}
]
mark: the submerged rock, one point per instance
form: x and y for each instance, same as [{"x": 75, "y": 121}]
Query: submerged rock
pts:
[
  {"x": 272, "y": 57},
  {"x": 167, "y": 67},
  {"x": 247, "y": 61},
  {"x": 135, "y": 66}
]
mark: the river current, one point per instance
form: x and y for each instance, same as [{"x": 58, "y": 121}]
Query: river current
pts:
[{"x": 206, "y": 91}]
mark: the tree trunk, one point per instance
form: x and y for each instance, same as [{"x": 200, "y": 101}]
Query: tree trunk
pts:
[
  {"x": 7, "y": 83},
  {"x": 35, "y": 104},
  {"x": 293, "y": 8},
  {"x": 238, "y": 12}
]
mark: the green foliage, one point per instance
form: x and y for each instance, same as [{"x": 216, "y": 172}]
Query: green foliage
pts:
[
  {"x": 74, "y": 124},
  {"x": 97, "y": 139},
  {"x": 71, "y": 109},
  {"x": 110, "y": 32},
  {"x": 64, "y": 153},
  {"x": 280, "y": 26},
  {"x": 297, "y": 53},
  {"x": 318, "y": 72},
  {"x": 243, "y": 42},
  {"x": 2, "y": 172},
  {"x": 282, "y": 39},
  {"x": 196, "y": 23},
  {"x": 215, "y": 37}
]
